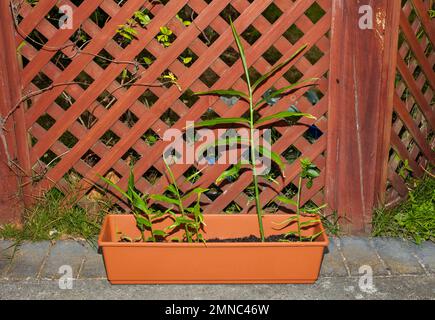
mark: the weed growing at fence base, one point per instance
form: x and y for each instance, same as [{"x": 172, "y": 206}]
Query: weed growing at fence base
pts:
[
  {"x": 413, "y": 219},
  {"x": 54, "y": 218},
  {"x": 331, "y": 223}
]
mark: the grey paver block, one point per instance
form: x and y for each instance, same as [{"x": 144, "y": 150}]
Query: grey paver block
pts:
[
  {"x": 93, "y": 267},
  {"x": 28, "y": 260},
  {"x": 6, "y": 253},
  {"x": 358, "y": 252},
  {"x": 333, "y": 264},
  {"x": 426, "y": 252},
  {"x": 64, "y": 253},
  {"x": 398, "y": 255}
]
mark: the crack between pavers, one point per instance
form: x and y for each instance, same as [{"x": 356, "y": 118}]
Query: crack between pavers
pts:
[
  {"x": 44, "y": 261},
  {"x": 420, "y": 262},
  {"x": 343, "y": 258},
  {"x": 384, "y": 264},
  {"x": 16, "y": 246},
  {"x": 81, "y": 268}
]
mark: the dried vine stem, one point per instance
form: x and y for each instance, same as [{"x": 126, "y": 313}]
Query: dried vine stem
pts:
[
  {"x": 132, "y": 84},
  {"x": 199, "y": 29},
  {"x": 30, "y": 95},
  {"x": 5, "y": 142},
  {"x": 73, "y": 45},
  {"x": 427, "y": 172},
  {"x": 78, "y": 50}
]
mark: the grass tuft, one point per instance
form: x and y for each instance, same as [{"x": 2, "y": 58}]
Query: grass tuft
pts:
[
  {"x": 54, "y": 218},
  {"x": 413, "y": 219}
]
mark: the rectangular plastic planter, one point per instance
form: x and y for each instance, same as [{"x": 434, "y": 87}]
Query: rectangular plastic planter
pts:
[{"x": 174, "y": 263}]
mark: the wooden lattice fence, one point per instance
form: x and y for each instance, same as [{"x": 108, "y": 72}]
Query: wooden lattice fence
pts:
[
  {"x": 94, "y": 102},
  {"x": 412, "y": 134},
  {"x": 115, "y": 134}
]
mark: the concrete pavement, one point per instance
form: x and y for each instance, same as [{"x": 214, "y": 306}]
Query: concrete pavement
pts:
[{"x": 354, "y": 268}]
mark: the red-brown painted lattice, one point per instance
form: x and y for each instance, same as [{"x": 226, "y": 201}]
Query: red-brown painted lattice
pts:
[
  {"x": 101, "y": 126},
  {"x": 412, "y": 135}
]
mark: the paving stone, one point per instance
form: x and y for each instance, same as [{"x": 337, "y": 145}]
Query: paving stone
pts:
[
  {"x": 64, "y": 253},
  {"x": 398, "y": 255},
  {"x": 333, "y": 264},
  {"x": 93, "y": 268},
  {"x": 426, "y": 252},
  {"x": 6, "y": 252},
  {"x": 358, "y": 252},
  {"x": 28, "y": 260}
]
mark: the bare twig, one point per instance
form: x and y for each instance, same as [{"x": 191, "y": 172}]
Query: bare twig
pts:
[
  {"x": 429, "y": 173},
  {"x": 56, "y": 158},
  {"x": 202, "y": 31},
  {"x": 3, "y": 120},
  {"x": 32, "y": 94},
  {"x": 73, "y": 45},
  {"x": 132, "y": 83},
  {"x": 4, "y": 142}
]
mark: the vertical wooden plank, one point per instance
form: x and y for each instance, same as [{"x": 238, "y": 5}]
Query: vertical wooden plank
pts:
[
  {"x": 16, "y": 148},
  {"x": 390, "y": 55},
  {"x": 361, "y": 96}
]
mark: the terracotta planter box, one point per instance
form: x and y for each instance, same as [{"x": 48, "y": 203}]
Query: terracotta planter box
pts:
[{"x": 172, "y": 263}]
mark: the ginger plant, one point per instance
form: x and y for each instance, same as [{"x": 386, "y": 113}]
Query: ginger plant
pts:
[
  {"x": 144, "y": 214},
  {"x": 309, "y": 172},
  {"x": 252, "y": 123},
  {"x": 189, "y": 219}
]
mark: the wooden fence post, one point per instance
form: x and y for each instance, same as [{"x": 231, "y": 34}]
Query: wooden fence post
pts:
[
  {"x": 13, "y": 136},
  {"x": 362, "y": 73}
]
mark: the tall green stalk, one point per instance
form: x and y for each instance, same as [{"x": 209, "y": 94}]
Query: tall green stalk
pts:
[
  {"x": 254, "y": 160},
  {"x": 298, "y": 207},
  {"x": 251, "y": 123},
  {"x": 180, "y": 200}
]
